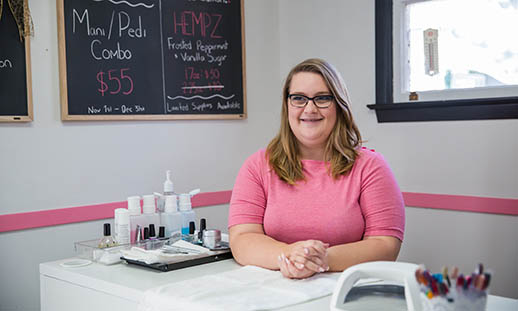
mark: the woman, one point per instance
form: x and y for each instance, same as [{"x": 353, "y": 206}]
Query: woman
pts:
[{"x": 315, "y": 200}]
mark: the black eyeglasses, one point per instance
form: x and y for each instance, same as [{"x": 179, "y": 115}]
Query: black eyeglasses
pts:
[{"x": 300, "y": 101}]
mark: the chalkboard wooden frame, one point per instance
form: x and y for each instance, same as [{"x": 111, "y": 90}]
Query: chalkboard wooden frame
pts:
[
  {"x": 64, "y": 90},
  {"x": 29, "y": 117}
]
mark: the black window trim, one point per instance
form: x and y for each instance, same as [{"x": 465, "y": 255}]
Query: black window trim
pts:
[{"x": 444, "y": 110}]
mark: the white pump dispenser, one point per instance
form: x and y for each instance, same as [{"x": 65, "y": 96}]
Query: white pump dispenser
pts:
[
  {"x": 188, "y": 214},
  {"x": 168, "y": 184},
  {"x": 168, "y": 190},
  {"x": 171, "y": 219}
]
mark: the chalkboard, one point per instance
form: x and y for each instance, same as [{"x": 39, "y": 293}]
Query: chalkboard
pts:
[
  {"x": 151, "y": 59},
  {"x": 15, "y": 72}
]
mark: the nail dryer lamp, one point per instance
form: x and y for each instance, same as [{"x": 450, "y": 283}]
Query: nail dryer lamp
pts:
[{"x": 398, "y": 272}]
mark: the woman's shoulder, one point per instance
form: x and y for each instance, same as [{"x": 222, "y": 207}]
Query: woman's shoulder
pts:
[
  {"x": 259, "y": 155},
  {"x": 368, "y": 157},
  {"x": 257, "y": 158}
]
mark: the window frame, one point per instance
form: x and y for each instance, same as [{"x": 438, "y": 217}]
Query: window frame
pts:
[{"x": 443, "y": 110}]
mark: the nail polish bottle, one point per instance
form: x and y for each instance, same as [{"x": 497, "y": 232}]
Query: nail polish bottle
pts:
[
  {"x": 146, "y": 241},
  {"x": 203, "y": 227},
  {"x": 191, "y": 237},
  {"x": 139, "y": 235},
  {"x": 107, "y": 240},
  {"x": 161, "y": 239}
]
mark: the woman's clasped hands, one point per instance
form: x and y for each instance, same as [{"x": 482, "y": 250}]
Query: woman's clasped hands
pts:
[{"x": 303, "y": 259}]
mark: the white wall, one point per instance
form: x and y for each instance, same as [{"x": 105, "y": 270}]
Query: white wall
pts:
[
  {"x": 51, "y": 164},
  {"x": 113, "y": 158},
  {"x": 476, "y": 158}
]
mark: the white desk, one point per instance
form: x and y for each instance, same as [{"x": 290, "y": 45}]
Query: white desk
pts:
[{"x": 120, "y": 287}]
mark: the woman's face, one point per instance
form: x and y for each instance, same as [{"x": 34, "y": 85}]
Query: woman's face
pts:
[{"x": 311, "y": 125}]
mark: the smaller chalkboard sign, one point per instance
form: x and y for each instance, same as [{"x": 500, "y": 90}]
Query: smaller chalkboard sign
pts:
[
  {"x": 15, "y": 72},
  {"x": 151, "y": 59}
]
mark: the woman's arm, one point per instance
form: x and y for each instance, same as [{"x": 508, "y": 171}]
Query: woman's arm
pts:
[
  {"x": 250, "y": 246},
  {"x": 372, "y": 248}
]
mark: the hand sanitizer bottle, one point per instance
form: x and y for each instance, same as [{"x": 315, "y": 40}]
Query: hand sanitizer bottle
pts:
[
  {"x": 186, "y": 211},
  {"x": 168, "y": 190},
  {"x": 171, "y": 219}
]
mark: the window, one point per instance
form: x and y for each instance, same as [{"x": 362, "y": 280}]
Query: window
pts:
[{"x": 456, "y": 65}]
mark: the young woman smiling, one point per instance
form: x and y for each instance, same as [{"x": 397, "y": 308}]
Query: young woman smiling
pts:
[{"x": 314, "y": 200}]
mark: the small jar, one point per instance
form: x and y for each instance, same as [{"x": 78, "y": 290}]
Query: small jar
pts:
[{"x": 211, "y": 238}]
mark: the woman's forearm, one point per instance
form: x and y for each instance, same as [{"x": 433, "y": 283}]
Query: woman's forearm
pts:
[
  {"x": 341, "y": 257},
  {"x": 256, "y": 249}
]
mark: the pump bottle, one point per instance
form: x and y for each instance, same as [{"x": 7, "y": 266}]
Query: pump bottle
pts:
[
  {"x": 149, "y": 213},
  {"x": 188, "y": 214},
  {"x": 171, "y": 219},
  {"x": 168, "y": 190}
]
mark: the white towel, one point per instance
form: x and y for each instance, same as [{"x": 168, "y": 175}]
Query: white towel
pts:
[
  {"x": 157, "y": 255},
  {"x": 245, "y": 289}
]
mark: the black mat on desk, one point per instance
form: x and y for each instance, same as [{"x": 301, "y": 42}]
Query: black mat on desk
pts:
[{"x": 164, "y": 267}]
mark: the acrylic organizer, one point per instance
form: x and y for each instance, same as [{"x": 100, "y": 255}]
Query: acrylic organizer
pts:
[
  {"x": 445, "y": 292},
  {"x": 90, "y": 250},
  {"x": 456, "y": 302}
]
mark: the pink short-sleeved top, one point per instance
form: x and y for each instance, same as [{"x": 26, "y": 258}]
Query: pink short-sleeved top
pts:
[{"x": 365, "y": 202}]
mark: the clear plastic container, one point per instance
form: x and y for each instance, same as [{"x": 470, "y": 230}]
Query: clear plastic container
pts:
[{"x": 90, "y": 250}]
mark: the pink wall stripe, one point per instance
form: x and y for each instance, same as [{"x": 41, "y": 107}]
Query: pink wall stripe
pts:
[
  {"x": 21, "y": 221},
  {"x": 211, "y": 198},
  {"x": 28, "y": 220},
  {"x": 462, "y": 203}
]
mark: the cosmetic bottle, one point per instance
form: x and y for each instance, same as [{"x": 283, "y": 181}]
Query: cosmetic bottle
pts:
[
  {"x": 122, "y": 226},
  {"x": 152, "y": 237},
  {"x": 203, "y": 227},
  {"x": 146, "y": 243},
  {"x": 171, "y": 218},
  {"x": 152, "y": 231},
  {"x": 191, "y": 236},
  {"x": 149, "y": 213},
  {"x": 139, "y": 235},
  {"x": 134, "y": 216},
  {"x": 188, "y": 214},
  {"x": 161, "y": 240},
  {"x": 161, "y": 233},
  {"x": 107, "y": 240},
  {"x": 211, "y": 238},
  {"x": 168, "y": 190}
]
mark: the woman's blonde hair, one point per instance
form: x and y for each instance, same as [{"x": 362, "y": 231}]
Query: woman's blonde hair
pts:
[{"x": 342, "y": 144}]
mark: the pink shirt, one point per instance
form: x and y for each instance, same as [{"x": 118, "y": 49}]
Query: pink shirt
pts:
[{"x": 366, "y": 202}]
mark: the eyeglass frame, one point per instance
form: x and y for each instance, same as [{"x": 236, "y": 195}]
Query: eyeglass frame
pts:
[{"x": 311, "y": 99}]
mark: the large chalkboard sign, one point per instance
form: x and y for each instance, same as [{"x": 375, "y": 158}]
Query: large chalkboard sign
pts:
[
  {"x": 15, "y": 72},
  {"x": 151, "y": 59}
]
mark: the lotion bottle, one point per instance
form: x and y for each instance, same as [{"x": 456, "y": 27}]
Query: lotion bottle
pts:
[
  {"x": 188, "y": 214},
  {"x": 171, "y": 219},
  {"x": 149, "y": 213},
  {"x": 135, "y": 211},
  {"x": 122, "y": 225}
]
